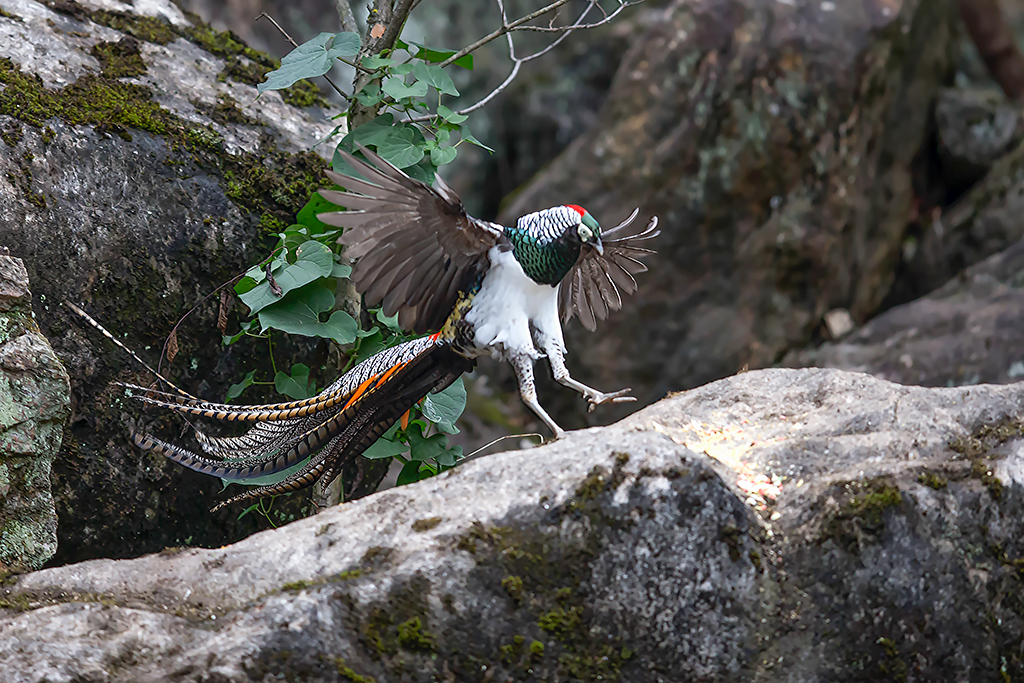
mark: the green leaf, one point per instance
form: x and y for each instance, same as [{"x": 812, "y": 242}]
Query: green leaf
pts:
[
  {"x": 341, "y": 327},
  {"x": 415, "y": 471},
  {"x": 311, "y": 59},
  {"x": 308, "y": 215},
  {"x": 424, "y": 171},
  {"x": 397, "y": 89},
  {"x": 435, "y": 77},
  {"x": 235, "y": 390},
  {"x": 296, "y": 385},
  {"x": 341, "y": 270},
  {"x": 384, "y": 448},
  {"x": 449, "y": 115},
  {"x": 377, "y": 62},
  {"x": 445, "y": 407},
  {"x": 429, "y": 54},
  {"x": 450, "y": 457},
  {"x": 347, "y": 44},
  {"x": 425, "y": 448},
  {"x": 229, "y": 339},
  {"x": 389, "y": 321},
  {"x": 439, "y": 156},
  {"x": 313, "y": 261},
  {"x": 299, "y": 312},
  {"x": 270, "y": 478},
  {"x": 468, "y": 137},
  {"x": 402, "y": 148},
  {"x": 402, "y": 70},
  {"x": 372, "y": 344},
  {"x": 372, "y": 132},
  {"x": 370, "y": 95}
]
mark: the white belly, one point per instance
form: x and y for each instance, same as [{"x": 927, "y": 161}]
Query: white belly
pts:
[{"x": 506, "y": 305}]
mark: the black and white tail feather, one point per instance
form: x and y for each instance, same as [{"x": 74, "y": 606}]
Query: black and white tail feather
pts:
[{"x": 319, "y": 435}]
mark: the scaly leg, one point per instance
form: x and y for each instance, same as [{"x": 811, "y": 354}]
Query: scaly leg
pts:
[
  {"x": 523, "y": 366},
  {"x": 595, "y": 397}
]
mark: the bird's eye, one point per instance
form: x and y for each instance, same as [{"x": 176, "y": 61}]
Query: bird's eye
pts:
[{"x": 585, "y": 233}]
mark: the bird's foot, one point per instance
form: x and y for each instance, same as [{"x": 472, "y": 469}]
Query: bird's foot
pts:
[{"x": 597, "y": 398}]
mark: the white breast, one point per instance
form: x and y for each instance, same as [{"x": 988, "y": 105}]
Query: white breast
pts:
[{"x": 508, "y": 301}]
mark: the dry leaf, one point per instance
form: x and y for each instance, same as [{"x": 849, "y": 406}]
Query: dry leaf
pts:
[
  {"x": 222, "y": 314},
  {"x": 172, "y": 346},
  {"x": 275, "y": 288},
  {"x": 377, "y": 31}
]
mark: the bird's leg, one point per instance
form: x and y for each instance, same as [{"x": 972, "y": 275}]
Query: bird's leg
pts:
[
  {"x": 561, "y": 373},
  {"x": 523, "y": 366}
]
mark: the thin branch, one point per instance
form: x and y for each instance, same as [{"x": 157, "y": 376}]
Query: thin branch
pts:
[
  {"x": 479, "y": 452},
  {"x": 517, "y": 62},
  {"x": 348, "y": 19},
  {"x": 505, "y": 28},
  {"x": 294, "y": 44}
]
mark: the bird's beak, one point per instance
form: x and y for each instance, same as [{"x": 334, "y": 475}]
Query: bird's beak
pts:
[{"x": 598, "y": 246}]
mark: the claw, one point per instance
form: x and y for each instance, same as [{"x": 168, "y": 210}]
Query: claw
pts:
[{"x": 598, "y": 398}]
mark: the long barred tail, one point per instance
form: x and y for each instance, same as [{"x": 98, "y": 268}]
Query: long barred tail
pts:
[
  {"x": 325, "y": 432},
  {"x": 353, "y": 413},
  {"x": 380, "y": 402}
]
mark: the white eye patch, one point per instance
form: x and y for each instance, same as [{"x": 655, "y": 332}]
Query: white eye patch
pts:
[{"x": 585, "y": 233}]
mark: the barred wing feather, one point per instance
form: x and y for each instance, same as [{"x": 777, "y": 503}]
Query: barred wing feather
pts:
[{"x": 416, "y": 246}]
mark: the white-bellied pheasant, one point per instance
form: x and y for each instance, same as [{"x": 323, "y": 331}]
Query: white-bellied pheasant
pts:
[{"x": 479, "y": 287}]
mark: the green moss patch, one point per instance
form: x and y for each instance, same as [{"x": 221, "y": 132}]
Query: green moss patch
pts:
[
  {"x": 979, "y": 448},
  {"x": 421, "y": 525},
  {"x": 224, "y": 44},
  {"x": 275, "y": 185},
  {"x": 120, "y": 59},
  {"x": 544, "y": 583},
  {"x": 933, "y": 480},
  {"x": 861, "y": 515}
]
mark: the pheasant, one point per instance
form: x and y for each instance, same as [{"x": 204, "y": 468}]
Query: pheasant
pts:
[{"x": 479, "y": 288}]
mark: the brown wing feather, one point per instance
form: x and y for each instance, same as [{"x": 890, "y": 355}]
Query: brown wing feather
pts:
[
  {"x": 416, "y": 246},
  {"x": 595, "y": 285}
]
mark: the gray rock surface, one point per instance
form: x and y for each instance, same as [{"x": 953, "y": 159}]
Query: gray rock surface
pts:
[
  {"x": 779, "y": 525},
  {"x": 137, "y": 174},
  {"x": 34, "y": 405},
  {"x": 775, "y": 141},
  {"x": 969, "y": 331}
]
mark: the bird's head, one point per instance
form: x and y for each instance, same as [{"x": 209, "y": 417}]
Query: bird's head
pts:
[{"x": 588, "y": 229}]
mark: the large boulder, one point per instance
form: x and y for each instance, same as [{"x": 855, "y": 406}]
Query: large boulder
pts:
[
  {"x": 137, "y": 174},
  {"x": 779, "y": 525},
  {"x": 969, "y": 331},
  {"x": 35, "y": 401},
  {"x": 775, "y": 140}
]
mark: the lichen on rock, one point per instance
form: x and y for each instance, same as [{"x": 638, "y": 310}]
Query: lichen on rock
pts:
[{"x": 34, "y": 405}]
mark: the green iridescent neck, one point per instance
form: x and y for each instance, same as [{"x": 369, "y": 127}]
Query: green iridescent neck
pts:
[{"x": 543, "y": 262}]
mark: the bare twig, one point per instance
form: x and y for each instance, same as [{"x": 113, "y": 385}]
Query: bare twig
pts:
[
  {"x": 348, "y": 19},
  {"x": 505, "y": 28},
  {"x": 479, "y": 452},
  {"x": 294, "y": 44},
  {"x": 517, "y": 62}
]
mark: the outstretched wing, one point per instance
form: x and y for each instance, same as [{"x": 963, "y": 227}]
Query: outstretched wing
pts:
[
  {"x": 595, "y": 284},
  {"x": 416, "y": 246}
]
